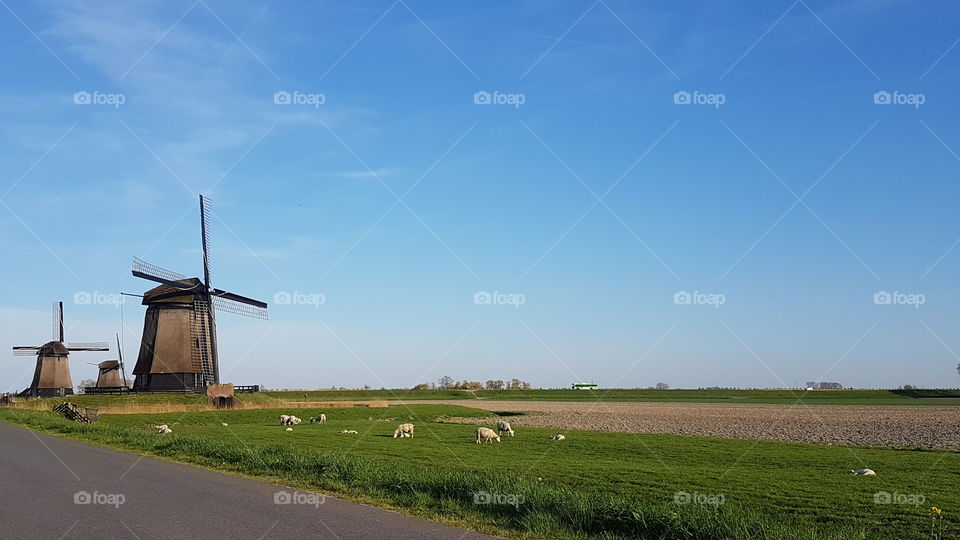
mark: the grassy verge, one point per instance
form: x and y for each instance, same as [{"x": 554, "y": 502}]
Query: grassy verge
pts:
[
  {"x": 182, "y": 402},
  {"x": 594, "y": 484}
]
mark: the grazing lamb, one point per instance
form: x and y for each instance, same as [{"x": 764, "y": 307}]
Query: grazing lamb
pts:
[
  {"x": 504, "y": 427},
  {"x": 294, "y": 420},
  {"x": 318, "y": 419},
  {"x": 405, "y": 430},
  {"x": 350, "y": 431},
  {"x": 558, "y": 438},
  {"x": 163, "y": 428},
  {"x": 864, "y": 472},
  {"x": 487, "y": 434},
  {"x": 284, "y": 419},
  {"x": 289, "y": 429}
]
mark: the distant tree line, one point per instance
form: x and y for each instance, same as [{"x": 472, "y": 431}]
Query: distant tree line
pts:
[{"x": 448, "y": 383}]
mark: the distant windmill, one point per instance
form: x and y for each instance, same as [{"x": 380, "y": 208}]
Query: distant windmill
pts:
[
  {"x": 110, "y": 373},
  {"x": 179, "y": 346},
  {"x": 52, "y": 375}
]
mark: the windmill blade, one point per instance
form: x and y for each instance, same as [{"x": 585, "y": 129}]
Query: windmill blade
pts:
[
  {"x": 58, "y": 321},
  {"x": 123, "y": 372},
  {"x": 248, "y": 308},
  {"x": 205, "y": 206},
  {"x": 219, "y": 293},
  {"x": 145, "y": 270},
  {"x": 175, "y": 284},
  {"x": 93, "y": 346},
  {"x": 25, "y": 351}
]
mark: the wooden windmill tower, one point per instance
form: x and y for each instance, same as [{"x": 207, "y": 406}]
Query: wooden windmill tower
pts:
[
  {"x": 179, "y": 346},
  {"x": 52, "y": 375}
]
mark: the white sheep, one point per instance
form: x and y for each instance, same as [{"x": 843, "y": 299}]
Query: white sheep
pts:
[
  {"x": 318, "y": 419},
  {"x": 487, "y": 434},
  {"x": 163, "y": 429},
  {"x": 289, "y": 429},
  {"x": 224, "y": 424},
  {"x": 864, "y": 472},
  {"x": 405, "y": 430},
  {"x": 558, "y": 438},
  {"x": 349, "y": 431},
  {"x": 504, "y": 427},
  {"x": 284, "y": 419},
  {"x": 294, "y": 420}
]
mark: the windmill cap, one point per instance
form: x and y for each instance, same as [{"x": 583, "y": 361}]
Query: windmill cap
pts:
[
  {"x": 54, "y": 348},
  {"x": 166, "y": 292},
  {"x": 108, "y": 364}
]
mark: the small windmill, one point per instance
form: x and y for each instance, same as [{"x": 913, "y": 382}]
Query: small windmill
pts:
[
  {"x": 52, "y": 375},
  {"x": 110, "y": 373},
  {"x": 179, "y": 346}
]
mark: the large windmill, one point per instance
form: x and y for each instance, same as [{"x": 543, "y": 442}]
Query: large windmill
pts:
[
  {"x": 52, "y": 375},
  {"x": 179, "y": 346}
]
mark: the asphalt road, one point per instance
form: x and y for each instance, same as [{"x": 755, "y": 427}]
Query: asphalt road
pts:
[{"x": 56, "y": 488}]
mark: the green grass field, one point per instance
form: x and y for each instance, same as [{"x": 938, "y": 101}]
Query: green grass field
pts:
[
  {"x": 594, "y": 484},
  {"x": 818, "y": 397}
]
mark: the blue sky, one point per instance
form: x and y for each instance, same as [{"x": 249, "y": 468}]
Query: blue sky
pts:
[{"x": 784, "y": 191}]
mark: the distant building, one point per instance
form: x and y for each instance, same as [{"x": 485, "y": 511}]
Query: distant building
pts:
[
  {"x": 585, "y": 386},
  {"x": 824, "y": 386}
]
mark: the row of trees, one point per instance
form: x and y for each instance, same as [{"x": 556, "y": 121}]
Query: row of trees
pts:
[{"x": 448, "y": 383}]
